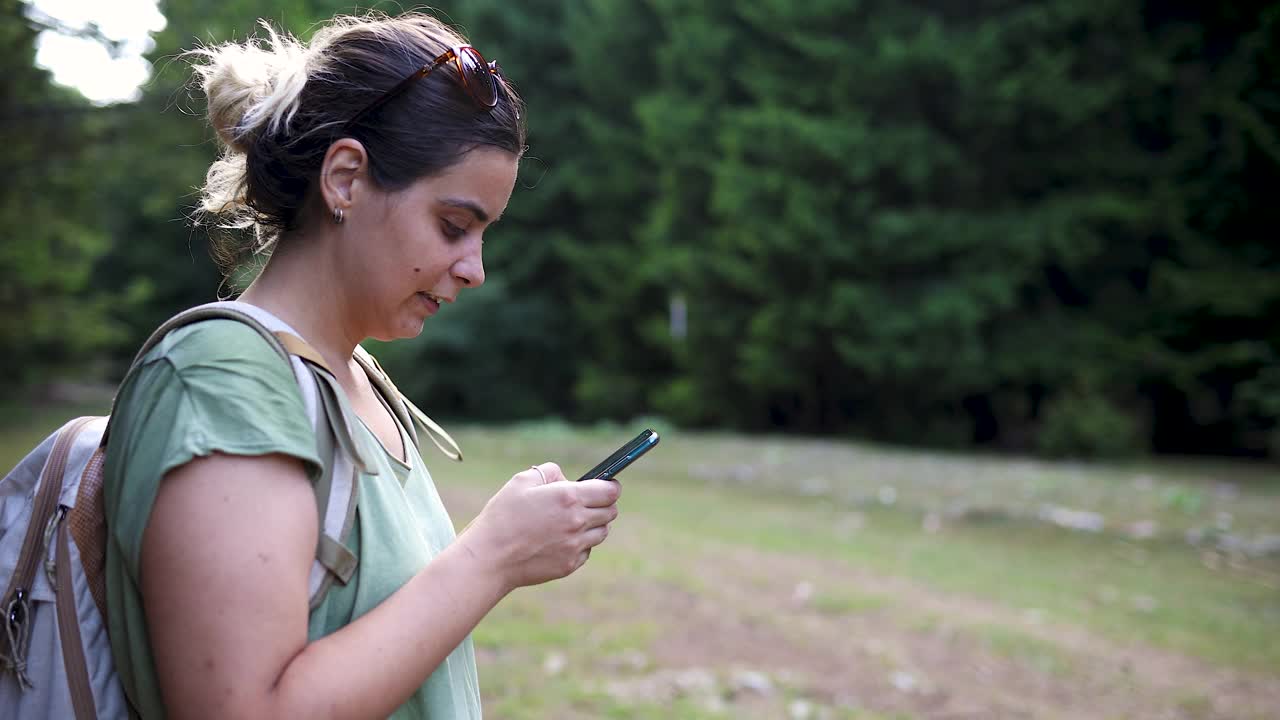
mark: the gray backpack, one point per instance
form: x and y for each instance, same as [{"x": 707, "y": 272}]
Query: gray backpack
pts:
[{"x": 55, "y": 657}]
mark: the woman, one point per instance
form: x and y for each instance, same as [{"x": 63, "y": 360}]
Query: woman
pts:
[{"x": 369, "y": 164}]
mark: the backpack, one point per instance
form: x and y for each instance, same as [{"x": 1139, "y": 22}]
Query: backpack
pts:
[{"x": 55, "y": 657}]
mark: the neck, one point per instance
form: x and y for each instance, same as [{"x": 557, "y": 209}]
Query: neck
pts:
[{"x": 302, "y": 286}]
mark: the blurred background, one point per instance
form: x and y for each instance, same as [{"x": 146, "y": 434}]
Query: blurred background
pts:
[{"x": 961, "y": 322}]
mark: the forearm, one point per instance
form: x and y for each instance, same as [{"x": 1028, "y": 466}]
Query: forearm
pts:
[{"x": 373, "y": 665}]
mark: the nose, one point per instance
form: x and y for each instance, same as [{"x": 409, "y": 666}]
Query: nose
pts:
[{"x": 470, "y": 270}]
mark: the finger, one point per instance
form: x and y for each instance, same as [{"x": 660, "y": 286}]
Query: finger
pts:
[
  {"x": 583, "y": 557},
  {"x": 550, "y": 472},
  {"x": 595, "y": 536},
  {"x": 541, "y": 474},
  {"x": 596, "y": 517},
  {"x": 528, "y": 477},
  {"x": 599, "y": 493}
]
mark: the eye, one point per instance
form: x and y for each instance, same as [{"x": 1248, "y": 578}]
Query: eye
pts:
[{"x": 451, "y": 231}]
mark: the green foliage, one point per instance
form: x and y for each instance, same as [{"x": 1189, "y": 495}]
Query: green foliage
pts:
[
  {"x": 1086, "y": 423},
  {"x": 53, "y": 319},
  {"x": 1185, "y": 500},
  {"x": 161, "y": 148},
  {"x": 479, "y": 358},
  {"x": 901, "y": 221},
  {"x": 913, "y": 224}
]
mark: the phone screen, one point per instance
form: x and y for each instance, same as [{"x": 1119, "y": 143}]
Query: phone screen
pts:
[{"x": 622, "y": 457}]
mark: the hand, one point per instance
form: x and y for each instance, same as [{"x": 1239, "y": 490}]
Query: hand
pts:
[{"x": 534, "y": 531}]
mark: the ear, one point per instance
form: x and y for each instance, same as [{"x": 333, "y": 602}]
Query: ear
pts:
[{"x": 344, "y": 168}]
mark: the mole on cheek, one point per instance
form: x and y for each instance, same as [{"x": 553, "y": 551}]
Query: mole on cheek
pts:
[{"x": 417, "y": 269}]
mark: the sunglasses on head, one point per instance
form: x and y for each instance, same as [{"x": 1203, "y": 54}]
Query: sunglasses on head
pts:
[{"x": 478, "y": 77}]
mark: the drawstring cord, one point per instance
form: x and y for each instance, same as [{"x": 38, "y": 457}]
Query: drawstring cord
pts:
[
  {"x": 17, "y": 629},
  {"x": 18, "y": 633}
]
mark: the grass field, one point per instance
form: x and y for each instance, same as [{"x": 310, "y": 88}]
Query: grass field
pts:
[{"x": 765, "y": 577}]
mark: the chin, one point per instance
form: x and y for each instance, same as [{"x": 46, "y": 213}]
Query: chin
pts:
[
  {"x": 403, "y": 331},
  {"x": 401, "y": 323},
  {"x": 410, "y": 329}
]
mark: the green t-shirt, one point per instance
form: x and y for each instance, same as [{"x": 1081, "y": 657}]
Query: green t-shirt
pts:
[{"x": 218, "y": 386}]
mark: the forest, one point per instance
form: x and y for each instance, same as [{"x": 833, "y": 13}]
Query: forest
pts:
[{"x": 1042, "y": 227}]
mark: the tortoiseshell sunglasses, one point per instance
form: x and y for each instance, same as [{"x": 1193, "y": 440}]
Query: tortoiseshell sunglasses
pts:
[{"x": 478, "y": 78}]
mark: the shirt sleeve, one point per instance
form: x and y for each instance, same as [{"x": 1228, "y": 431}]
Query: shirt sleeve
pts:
[{"x": 216, "y": 386}]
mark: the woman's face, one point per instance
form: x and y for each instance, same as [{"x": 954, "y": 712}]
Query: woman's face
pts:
[{"x": 425, "y": 248}]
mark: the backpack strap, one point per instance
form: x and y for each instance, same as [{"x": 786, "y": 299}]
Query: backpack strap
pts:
[
  {"x": 16, "y": 601},
  {"x": 344, "y": 452},
  {"x": 73, "y": 657},
  {"x": 336, "y": 493},
  {"x": 405, "y": 411}
]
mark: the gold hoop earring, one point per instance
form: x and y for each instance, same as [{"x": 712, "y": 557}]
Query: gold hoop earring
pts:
[{"x": 337, "y": 216}]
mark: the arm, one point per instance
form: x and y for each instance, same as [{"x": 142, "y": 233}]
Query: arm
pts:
[{"x": 225, "y": 560}]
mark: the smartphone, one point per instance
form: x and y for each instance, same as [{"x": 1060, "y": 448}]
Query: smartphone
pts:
[{"x": 624, "y": 456}]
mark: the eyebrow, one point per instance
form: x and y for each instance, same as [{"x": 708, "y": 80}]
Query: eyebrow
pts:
[{"x": 465, "y": 204}]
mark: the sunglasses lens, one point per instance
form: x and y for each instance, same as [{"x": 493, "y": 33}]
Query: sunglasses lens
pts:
[{"x": 480, "y": 82}]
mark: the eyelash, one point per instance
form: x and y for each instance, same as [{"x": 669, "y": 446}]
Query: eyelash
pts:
[{"x": 452, "y": 231}]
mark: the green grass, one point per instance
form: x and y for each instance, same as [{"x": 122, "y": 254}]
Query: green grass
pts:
[
  {"x": 803, "y": 501},
  {"x": 1219, "y": 615},
  {"x": 847, "y": 602},
  {"x": 1158, "y": 592},
  {"x": 23, "y": 426},
  {"x": 523, "y": 624},
  {"x": 1017, "y": 645},
  {"x": 686, "y": 507}
]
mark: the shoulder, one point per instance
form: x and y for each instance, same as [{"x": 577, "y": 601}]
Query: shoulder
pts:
[
  {"x": 223, "y": 372},
  {"x": 216, "y": 385},
  {"x": 213, "y": 387},
  {"x": 217, "y": 342}
]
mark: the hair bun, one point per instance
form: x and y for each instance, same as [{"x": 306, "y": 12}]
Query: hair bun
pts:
[{"x": 252, "y": 85}]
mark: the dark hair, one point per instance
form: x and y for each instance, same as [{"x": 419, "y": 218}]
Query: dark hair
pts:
[{"x": 278, "y": 105}]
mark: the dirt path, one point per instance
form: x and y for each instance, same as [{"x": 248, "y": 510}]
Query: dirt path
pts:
[
  {"x": 751, "y": 626},
  {"x": 956, "y": 673}
]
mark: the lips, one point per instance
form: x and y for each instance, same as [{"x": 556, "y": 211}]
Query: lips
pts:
[{"x": 429, "y": 301}]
